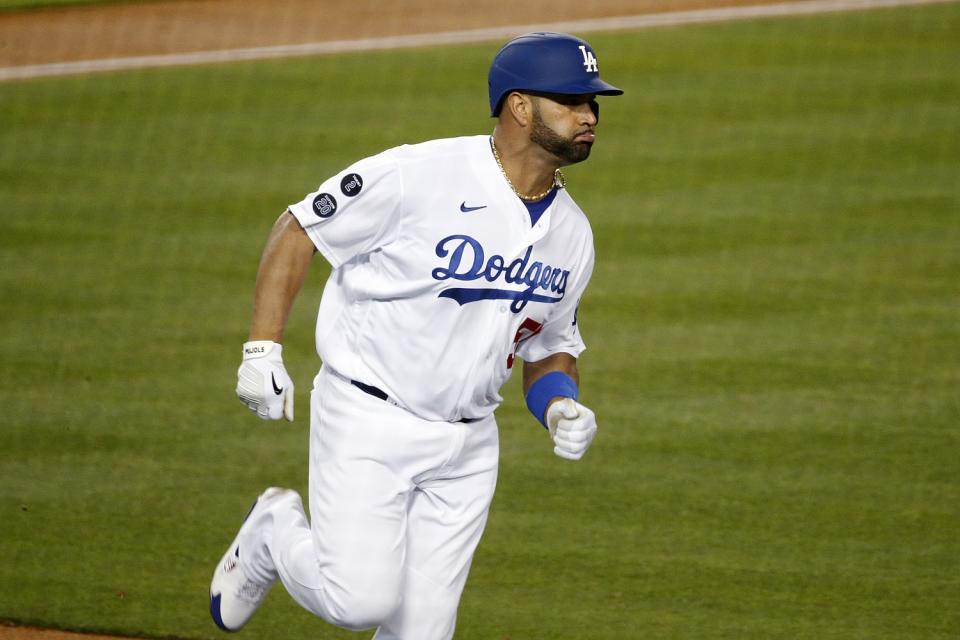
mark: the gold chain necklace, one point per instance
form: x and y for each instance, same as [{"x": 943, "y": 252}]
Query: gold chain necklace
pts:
[{"x": 559, "y": 181}]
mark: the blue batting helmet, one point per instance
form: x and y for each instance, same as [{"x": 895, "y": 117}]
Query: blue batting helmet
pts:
[{"x": 546, "y": 62}]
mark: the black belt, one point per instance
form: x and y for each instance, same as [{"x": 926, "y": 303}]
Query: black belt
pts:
[
  {"x": 379, "y": 393},
  {"x": 371, "y": 390}
]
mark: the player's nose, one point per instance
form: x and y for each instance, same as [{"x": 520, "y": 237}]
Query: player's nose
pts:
[{"x": 588, "y": 115}]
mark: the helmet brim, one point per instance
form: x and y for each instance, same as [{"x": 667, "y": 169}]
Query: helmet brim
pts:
[
  {"x": 595, "y": 86},
  {"x": 599, "y": 87}
]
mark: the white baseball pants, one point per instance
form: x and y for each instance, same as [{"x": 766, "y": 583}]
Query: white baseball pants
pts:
[{"x": 398, "y": 505}]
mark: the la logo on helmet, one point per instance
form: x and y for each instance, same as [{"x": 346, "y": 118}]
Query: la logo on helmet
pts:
[{"x": 589, "y": 60}]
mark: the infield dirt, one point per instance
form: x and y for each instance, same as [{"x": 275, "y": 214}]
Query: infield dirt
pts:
[{"x": 179, "y": 26}]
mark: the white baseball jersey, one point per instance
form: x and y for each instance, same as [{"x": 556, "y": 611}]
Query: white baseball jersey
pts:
[{"x": 439, "y": 279}]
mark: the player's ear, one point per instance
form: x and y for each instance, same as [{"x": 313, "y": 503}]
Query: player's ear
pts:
[{"x": 518, "y": 107}]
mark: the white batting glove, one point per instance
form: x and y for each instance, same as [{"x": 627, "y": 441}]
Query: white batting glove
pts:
[
  {"x": 572, "y": 427},
  {"x": 263, "y": 383}
]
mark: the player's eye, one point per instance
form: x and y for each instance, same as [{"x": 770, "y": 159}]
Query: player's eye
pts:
[{"x": 574, "y": 100}]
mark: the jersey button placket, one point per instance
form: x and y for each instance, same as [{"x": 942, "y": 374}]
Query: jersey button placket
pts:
[{"x": 486, "y": 358}]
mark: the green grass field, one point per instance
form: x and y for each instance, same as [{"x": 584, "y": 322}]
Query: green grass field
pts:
[{"x": 773, "y": 330}]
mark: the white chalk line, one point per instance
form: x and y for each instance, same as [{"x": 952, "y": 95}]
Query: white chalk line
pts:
[{"x": 646, "y": 21}]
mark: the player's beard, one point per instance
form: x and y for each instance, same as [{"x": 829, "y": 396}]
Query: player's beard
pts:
[{"x": 569, "y": 151}]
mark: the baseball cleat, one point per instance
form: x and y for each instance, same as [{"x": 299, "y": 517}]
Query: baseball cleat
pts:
[{"x": 233, "y": 596}]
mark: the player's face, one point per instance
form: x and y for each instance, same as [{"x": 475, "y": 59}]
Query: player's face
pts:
[{"x": 564, "y": 125}]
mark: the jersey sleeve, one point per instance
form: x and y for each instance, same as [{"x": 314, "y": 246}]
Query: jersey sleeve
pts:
[
  {"x": 354, "y": 212},
  {"x": 561, "y": 330}
]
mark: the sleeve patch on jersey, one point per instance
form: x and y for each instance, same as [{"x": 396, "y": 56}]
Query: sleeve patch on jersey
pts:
[
  {"x": 324, "y": 205},
  {"x": 351, "y": 184}
]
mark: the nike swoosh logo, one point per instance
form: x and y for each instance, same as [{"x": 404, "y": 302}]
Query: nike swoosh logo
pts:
[
  {"x": 277, "y": 390},
  {"x": 464, "y": 208}
]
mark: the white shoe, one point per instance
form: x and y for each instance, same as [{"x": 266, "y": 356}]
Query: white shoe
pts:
[{"x": 233, "y": 597}]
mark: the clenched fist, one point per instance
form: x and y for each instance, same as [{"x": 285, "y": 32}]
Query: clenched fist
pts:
[
  {"x": 572, "y": 427},
  {"x": 263, "y": 383}
]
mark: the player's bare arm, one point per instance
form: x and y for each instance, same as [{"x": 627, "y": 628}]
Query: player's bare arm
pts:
[
  {"x": 262, "y": 380},
  {"x": 551, "y": 388},
  {"x": 283, "y": 268},
  {"x": 564, "y": 362}
]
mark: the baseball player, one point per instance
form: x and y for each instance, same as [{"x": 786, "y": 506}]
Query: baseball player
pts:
[{"x": 452, "y": 261}]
